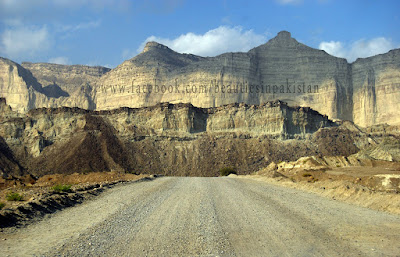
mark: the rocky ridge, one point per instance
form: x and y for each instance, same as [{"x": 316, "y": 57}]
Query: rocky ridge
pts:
[
  {"x": 163, "y": 139},
  {"x": 178, "y": 139}
]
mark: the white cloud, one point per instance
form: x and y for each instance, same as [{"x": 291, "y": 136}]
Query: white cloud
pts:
[
  {"x": 359, "y": 49},
  {"x": 364, "y": 48},
  {"x": 80, "y": 26},
  {"x": 288, "y": 2},
  {"x": 98, "y": 63},
  {"x": 60, "y": 60},
  {"x": 334, "y": 48},
  {"x": 24, "y": 40},
  {"x": 68, "y": 30},
  {"x": 213, "y": 42},
  {"x": 19, "y": 40}
]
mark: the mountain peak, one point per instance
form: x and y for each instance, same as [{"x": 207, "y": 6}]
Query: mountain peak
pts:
[
  {"x": 284, "y": 35},
  {"x": 154, "y": 45},
  {"x": 284, "y": 38}
]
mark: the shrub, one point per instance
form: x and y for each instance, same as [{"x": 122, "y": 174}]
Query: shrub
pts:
[
  {"x": 2, "y": 205},
  {"x": 307, "y": 175},
  {"x": 226, "y": 171},
  {"x": 62, "y": 188},
  {"x": 14, "y": 197}
]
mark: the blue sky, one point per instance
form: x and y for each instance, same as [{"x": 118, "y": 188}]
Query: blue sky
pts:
[{"x": 106, "y": 32}]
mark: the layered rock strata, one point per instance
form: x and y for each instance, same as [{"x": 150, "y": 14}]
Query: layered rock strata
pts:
[
  {"x": 33, "y": 86},
  {"x": 182, "y": 137},
  {"x": 365, "y": 91}
]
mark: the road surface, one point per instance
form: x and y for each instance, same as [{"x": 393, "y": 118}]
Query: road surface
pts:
[{"x": 174, "y": 216}]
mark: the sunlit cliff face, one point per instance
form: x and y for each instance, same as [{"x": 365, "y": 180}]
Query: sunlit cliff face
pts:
[{"x": 365, "y": 91}]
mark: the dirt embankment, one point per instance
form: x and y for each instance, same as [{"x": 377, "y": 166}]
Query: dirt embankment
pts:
[
  {"x": 41, "y": 196},
  {"x": 375, "y": 186}
]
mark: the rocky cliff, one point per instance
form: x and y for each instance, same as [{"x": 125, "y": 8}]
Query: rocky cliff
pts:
[
  {"x": 280, "y": 69},
  {"x": 179, "y": 139},
  {"x": 376, "y": 89},
  {"x": 365, "y": 91},
  {"x": 32, "y": 86},
  {"x": 169, "y": 139},
  {"x": 74, "y": 81}
]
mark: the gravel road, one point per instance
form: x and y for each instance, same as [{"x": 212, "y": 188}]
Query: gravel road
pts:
[{"x": 173, "y": 216}]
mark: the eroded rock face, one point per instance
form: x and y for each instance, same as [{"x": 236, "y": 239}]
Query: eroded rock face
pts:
[
  {"x": 179, "y": 139},
  {"x": 17, "y": 85},
  {"x": 69, "y": 81},
  {"x": 274, "y": 119},
  {"x": 184, "y": 137},
  {"x": 365, "y": 91},
  {"x": 280, "y": 69},
  {"x": 376, "y": 89},
  {"x": 47, "y": 85},
  {"x": 67, "y": 77}
]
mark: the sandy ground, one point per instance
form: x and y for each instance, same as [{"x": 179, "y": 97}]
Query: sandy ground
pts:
[
  {"x": 173, "y": 216},
  {"x": 342, "y": 191},
  {"x": 375, "y": 187}
]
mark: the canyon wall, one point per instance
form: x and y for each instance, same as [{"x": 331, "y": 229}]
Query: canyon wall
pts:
[
  {"x": 376, "y": 89},
  {"x": 73, "y": 82},
  {"x": 29, "y": 86},
  {"x": 365, "y": 91},
  {"x": 280, "y": 69}
]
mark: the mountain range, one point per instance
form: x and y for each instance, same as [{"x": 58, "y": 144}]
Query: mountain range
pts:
[{"x": 365, "y": 91}]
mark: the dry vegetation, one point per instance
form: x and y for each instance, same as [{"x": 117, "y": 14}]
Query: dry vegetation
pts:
[{"x": 15, "y": 192}]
